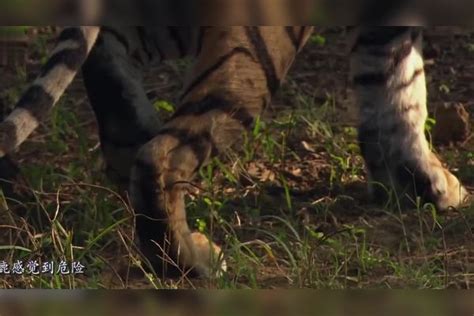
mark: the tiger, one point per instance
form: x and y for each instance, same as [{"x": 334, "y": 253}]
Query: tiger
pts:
[{"x": 236, "y": 71}]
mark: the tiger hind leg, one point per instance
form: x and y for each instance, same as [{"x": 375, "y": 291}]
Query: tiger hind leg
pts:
[
  {"x": 126, "y": 118},
  {"x": 127, "y": 121},
  {"x": 388, "y": 74}
]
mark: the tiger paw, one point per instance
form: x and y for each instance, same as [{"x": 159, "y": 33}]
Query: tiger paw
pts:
[
  {"x": 209, "y": 260},
  {"x": 435, "y": 184},
  {"x": 426, "y": 181},
  {"x": 449, "y": 192}
]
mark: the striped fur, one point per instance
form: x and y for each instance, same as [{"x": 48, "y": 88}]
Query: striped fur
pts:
[
  {"x": 236, "y": 72},
  {"x": 56, "y": 75}
]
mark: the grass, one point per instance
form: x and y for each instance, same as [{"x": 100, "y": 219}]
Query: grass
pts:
[{"x": 289, "y": 208}]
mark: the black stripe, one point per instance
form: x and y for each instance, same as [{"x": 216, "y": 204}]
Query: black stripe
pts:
[
  {"x": 291, "y": 35},
  {"x": 72, "y": 58},
  {"x": 71, "y": 33},
  {"x": 139, "y": 58},
  {"x": 379, "y": 36},
  {"x": 397, "y": 53},
  {"x": 265, "y": 102},
  {"x": 118, "y": 36},
  {"x": 297, "y": 41},
  {"x": 212, "y": 102},
  {"x": 381, "y": 78},
  {"x": 200, "y": 143},
  {"x": 397, "y": 56},
  {"x": 37, "y": 101},
  {"x": 208, "y": 72},
  {"x": 200, "y": 39},
  {"x": 301, "y": 36},
  {"x": 160, "y": 52},
  {"x": 175, "y": 36},
  {"x": 142, "y": 37},
  {"x": 264, "y": 57}
]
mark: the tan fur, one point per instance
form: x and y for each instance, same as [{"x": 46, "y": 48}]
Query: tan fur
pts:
[{"x": 175, "y": 163}]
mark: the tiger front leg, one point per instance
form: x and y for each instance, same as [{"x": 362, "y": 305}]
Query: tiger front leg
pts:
[
  {"x": 235, "y": 74},
  {"x": 160, "y": 175},
  {"x": 388, "y": 74}
]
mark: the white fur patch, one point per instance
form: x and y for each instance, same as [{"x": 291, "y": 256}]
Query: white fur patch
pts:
[
  {"x": 24, "y": 122},
  {"x": 56, "y": 81},
  {"x": 64, "y": 45}
]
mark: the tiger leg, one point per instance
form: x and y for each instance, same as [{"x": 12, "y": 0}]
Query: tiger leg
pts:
[
  {"x": 231, "y": 83},
  {"x": 388, "y": 74},
  {"x": 126, "y": 118}
]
